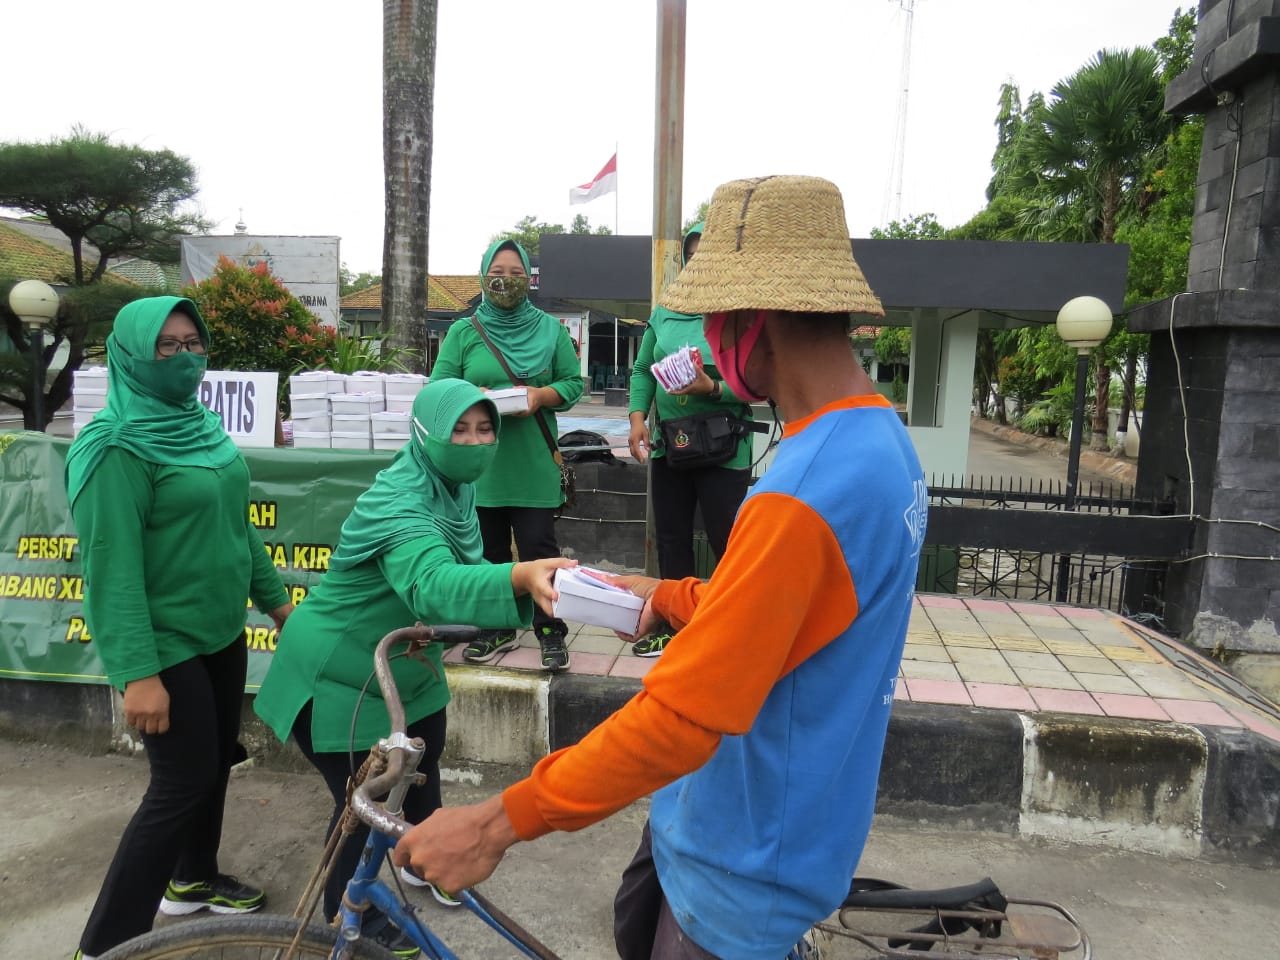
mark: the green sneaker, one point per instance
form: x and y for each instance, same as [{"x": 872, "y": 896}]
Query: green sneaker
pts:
[
  {"x": 555, "y": 654},
  {"x": 652, "y": 645},
  {"x": 224, "y": 895},
  {"x": 488, "y": 645}
]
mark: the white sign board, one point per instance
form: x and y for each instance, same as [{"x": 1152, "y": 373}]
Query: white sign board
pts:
[
  {"x": 246, "y": 402},
  {"x": 307, "y": 266}
]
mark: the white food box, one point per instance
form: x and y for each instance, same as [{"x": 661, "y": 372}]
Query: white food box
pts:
[
  {"x": 88, "y": 401},
  {"x": 342, "y": 440},
  {"x": 404, "y": 385},
  {"x": 365, "y": 381},
  {"x": 90, "y": 375},
  {"x": 351, "y": 423},
  {"x": 391, "y": 422},
  {"x": 80, "y": 418},
  {"x": 309, "y": 381},
  {"x": 361, "y": 403},
  {"x": 304, "y": 404},
  {"x": 389, "y": 441},
  {"x": 584, "y": 599},
  {"x": 312, "y": 422},
  {"x": 400, "y": 403},
  {"x": 308, "y": 438},
  {"x": 510, "y": 399}
]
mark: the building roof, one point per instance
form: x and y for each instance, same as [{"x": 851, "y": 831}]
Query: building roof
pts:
[
  {"x": 165, "y": 276},
  {"x": 26, "y": 258},
  {"x": 448, "y": 293}
]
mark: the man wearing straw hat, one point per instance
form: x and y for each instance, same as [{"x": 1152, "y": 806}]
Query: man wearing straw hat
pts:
[{"x": 760, "y": 730}]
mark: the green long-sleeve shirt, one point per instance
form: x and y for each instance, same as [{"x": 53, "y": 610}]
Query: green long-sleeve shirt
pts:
[
  {"x": 169, "y": 557},
  {"x": 523, "y": 473},
  {"x": 664, "y": 337},
  {"x": 325, "y": 653}
]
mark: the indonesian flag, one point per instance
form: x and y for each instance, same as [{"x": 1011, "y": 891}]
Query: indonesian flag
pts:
[{"x": 606, "y": 181}]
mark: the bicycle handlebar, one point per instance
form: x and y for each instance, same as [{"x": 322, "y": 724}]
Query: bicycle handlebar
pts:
[{"x": 417, "y": 637}]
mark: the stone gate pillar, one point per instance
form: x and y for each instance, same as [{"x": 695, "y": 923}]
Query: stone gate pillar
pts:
[{"x": 1211, "y": 431}]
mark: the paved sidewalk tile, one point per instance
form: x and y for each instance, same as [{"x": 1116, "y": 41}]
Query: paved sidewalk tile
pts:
[
  {"x": 1256, "y": 723},
  {"x": 986, "y": 671},
  {"x": 1073, "y": 648},
  {"x": 1065, "y": 701},
  {"x": 590, "y": 664},
  {"x": 1108, "y": 683},
  {"x": 633, "y": 667},
  {"x": 928, "y": 670},
  {"x": 1053, "y": 679},
  {"x": 1084, "y": 613},
  {"x": 1000, "y": 696},
  {"x": 977, "y": 640},
  {"x": 900, "y": 691},
  {"x": 1028, "y": 609},
  {"x": 935, "y": 652},
  {"x": 521, "y": 658},
  {"x": 1090, "y": 665},
  {"x": 977, "y": 604},
  {"x": 939, "y": 600},
  {"x": 1193, "y": 711},
  {"x": 938, "y": 691},
  {"x": 1032, "y": 661},
  {"x": 589, "y": 643},
  {"x": 1133, "y": 654},
  {"x": 1021, "y": 644},
  {"x": 1137, "y": 708}
]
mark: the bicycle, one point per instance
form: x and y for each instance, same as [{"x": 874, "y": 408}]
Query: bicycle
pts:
[{"x": 965, "y": 923}]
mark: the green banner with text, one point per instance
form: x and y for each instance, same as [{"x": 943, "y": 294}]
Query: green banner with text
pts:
[{"x": 298, "y": 499}]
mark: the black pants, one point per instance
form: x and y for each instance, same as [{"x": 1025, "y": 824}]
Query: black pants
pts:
[
  {"x": 177, "y": 828},
  {"x": 534, "y": 529},
  {"x": 677, "y": 494},
  {"x": 644, "y": 927},
  {"x": 336, "y": 768}
]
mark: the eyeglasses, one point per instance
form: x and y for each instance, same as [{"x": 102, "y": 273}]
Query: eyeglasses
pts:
[{"x": 168, "y": 347}]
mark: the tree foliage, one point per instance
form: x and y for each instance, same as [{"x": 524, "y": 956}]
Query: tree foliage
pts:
[
  {"x": 922, "y": 226},
  {"x": 124, "y": 200}
]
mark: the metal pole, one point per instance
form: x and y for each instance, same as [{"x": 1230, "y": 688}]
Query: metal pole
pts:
[
  {"x": 1073, "y": 463},
  {"x": 668, "y": 175},
  {"x": 37, "y": 376}
]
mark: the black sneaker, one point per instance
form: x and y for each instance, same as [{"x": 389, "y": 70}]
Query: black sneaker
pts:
[
  {"x": 224, "y": 894},
  {"x": 390, "y": 937},
  {"x": 488, "y": 645},
  {"x": 652, "y": 645},
  {"x": 555, "y": 655}
]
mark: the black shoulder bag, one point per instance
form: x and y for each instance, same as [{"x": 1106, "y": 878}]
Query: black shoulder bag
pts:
[{"x": 568, "y": 482}]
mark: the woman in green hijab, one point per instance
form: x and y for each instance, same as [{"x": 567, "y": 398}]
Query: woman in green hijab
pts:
[
  {"x": 410, "y": 551},
  {"x": 519, "y": 496},
  {"x": 159, "y": 491},
  {"x": 679, "y": 493}
]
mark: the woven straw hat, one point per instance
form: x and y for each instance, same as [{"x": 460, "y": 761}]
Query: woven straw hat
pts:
[{"x": 774, "y": 243}]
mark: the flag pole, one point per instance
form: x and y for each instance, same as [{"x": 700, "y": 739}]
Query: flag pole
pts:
[{"x": 617, "y": 190}]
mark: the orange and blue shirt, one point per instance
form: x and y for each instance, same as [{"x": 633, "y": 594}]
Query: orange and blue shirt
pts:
[{"x": 761, "y": 727}]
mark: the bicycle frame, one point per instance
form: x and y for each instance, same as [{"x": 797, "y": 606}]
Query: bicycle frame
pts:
[{"x": 403, "y": 755}]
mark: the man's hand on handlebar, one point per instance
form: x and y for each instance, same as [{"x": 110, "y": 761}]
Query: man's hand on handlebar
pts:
[{"x": 458, "y": 847}]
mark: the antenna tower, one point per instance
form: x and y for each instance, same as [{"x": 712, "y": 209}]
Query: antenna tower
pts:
[{"x": 893, "y": 196}]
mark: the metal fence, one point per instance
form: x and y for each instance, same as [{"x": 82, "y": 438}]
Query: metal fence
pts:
[{"x": 1009, "y": 539}]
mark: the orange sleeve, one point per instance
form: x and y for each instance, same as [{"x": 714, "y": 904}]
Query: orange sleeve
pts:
[{"x": 781, "y": 592}]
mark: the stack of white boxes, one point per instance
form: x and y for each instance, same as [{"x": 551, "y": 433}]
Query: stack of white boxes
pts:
[
  {"x": 367, "y": 410},
  {"x": 391, "y": 428},
  {"x": 309, "y": 405},
  {"x": 89, "y": 394}
]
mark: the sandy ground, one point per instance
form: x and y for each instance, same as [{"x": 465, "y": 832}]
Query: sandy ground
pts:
[{"x": 63, "y": 813}]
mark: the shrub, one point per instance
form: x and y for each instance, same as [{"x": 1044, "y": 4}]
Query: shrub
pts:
[{"x": 256, "y": 324}]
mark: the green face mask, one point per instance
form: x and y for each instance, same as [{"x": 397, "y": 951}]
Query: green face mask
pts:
[
  {"x": 506, "y": 292},
  {"x": 173, "y": 379},
  {"x": 457, "y": 462}
]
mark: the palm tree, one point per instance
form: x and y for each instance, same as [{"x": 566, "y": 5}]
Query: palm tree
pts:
[
  {"x": 408, "y": 83},
  {"x": 1085, "y": 150}
]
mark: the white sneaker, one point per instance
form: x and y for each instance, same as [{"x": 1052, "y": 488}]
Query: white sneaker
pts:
[{"x": 442, "y": 898}]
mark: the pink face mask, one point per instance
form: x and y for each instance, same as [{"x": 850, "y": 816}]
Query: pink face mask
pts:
[{"x": 732, "y": 361}]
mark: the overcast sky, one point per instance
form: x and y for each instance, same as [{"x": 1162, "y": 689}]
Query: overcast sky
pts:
[{"x": 278, "y": 102}]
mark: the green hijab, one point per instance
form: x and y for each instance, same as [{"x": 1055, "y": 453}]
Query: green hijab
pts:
[
  {"x": 173, "y": 430},
  {"x": 415, "y": 496},
  {"x": 694, "y": 231},
  {"x": 526, "y": 335}
]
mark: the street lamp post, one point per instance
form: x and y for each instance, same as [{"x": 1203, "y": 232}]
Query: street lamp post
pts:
[
  {"x": 36, "y": 304},
  {"x": 1083, "y": 322}
]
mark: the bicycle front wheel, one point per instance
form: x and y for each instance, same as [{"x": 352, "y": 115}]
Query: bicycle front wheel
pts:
[{"x": 254, "y": 937}]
